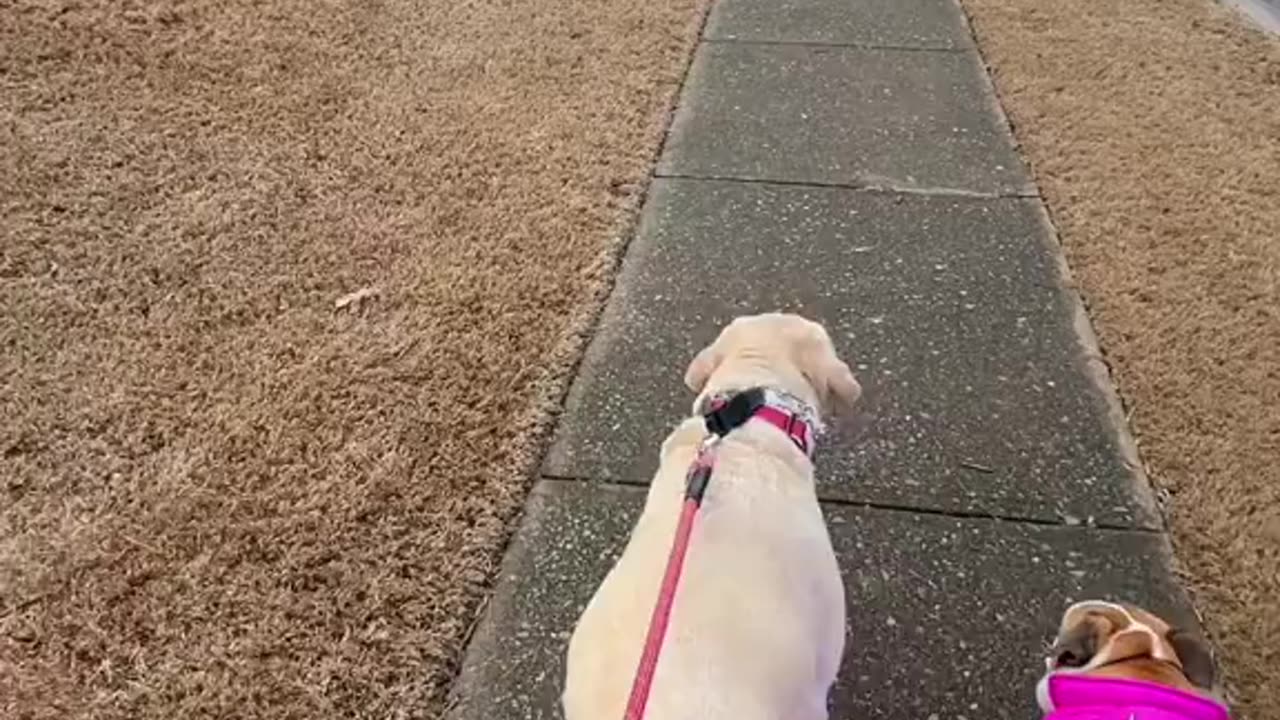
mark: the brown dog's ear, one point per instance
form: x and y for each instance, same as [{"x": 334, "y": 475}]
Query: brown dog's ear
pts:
[
  {"x": 1196, "y": 657},
  {"x": 1075, "y": 648},
  {"x": 704, "y": 363}
]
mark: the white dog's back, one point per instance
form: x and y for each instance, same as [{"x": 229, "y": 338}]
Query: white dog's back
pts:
[{"x": 757, "y": 628}]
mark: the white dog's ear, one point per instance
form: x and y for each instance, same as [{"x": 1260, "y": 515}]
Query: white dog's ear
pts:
[
  {"x": 829, "y": 377},
  {"x": 841, "y": 384},
  {"x": 704, "y": 363}
]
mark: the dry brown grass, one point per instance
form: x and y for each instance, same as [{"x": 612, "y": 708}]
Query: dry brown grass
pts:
[
  {"x": 223, "y": 496},
  {"x": 1153, "y": 127}
]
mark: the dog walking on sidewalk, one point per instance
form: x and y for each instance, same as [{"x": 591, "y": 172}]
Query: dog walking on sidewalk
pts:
[{"x": 727, "y": 602}]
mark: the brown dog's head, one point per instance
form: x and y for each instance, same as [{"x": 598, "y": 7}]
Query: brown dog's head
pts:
[
  {"x": 1106, "y": 639},
  {"x": 786, "y": 352}
]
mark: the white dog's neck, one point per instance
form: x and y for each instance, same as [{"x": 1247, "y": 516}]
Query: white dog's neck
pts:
[
  {"x": 767, "y": 438},
  {"x": 788, "y": 402}
]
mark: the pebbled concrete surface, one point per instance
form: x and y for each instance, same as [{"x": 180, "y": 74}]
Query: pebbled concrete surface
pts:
[
  {"x": 831, "y": 115},
  {"x": 976, "y": 398},
  {"x": 917, "y": 24},
  {"x": 947, "y": 616}
]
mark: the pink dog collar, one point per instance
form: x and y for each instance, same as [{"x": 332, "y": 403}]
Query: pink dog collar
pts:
[
  {"x": 1077, "y": 697},
  {"x": 790, "y": 415}
]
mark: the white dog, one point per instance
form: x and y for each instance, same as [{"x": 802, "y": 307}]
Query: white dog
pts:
[{"x": 757, "y": 629}]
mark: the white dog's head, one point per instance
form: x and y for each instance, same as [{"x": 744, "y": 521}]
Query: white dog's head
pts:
[{"x": 786, "y": 352}]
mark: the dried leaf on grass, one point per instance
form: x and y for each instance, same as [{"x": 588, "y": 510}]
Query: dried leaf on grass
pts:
[{"x": 355, "y": 298}]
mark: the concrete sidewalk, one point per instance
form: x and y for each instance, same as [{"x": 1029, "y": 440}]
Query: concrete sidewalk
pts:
[{"x": 849, "y": 161}]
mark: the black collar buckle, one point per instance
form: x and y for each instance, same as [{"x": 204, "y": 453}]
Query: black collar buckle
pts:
[{"x": 734, "y": 412}]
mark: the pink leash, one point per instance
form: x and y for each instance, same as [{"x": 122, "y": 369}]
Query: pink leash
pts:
[
  {"x": 724, "y": 417},
  {"x": 697, "y": 485}
]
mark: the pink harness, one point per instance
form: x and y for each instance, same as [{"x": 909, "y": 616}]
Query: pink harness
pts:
[
  {"x": 1077, "y": 697},
  {"x": 725, "y": 416}
]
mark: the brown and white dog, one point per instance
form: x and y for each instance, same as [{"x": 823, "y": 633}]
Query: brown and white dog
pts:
[
  {"x": 757, "y": 628},
  {"x": 1114, "y": 660}
]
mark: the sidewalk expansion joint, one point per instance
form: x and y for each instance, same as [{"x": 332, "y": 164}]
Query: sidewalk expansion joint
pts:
[
  {"x": 640, "y": 486},
  {"x": 836, "y": 45},
  {"x": 857, "y": 187}
]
